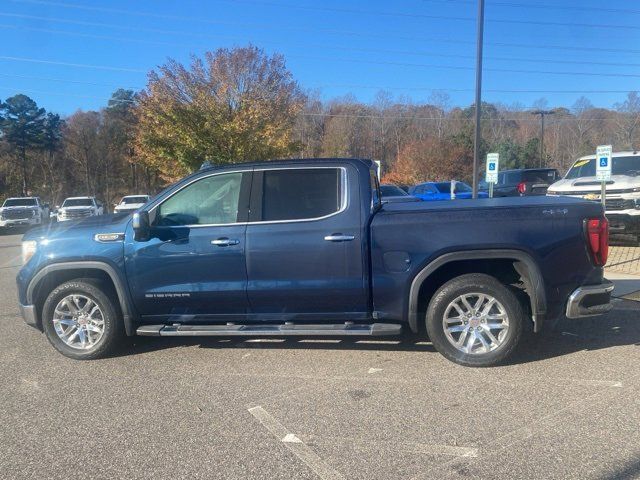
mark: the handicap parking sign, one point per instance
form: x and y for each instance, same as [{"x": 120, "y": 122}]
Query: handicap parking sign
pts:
[
  {"x": 492, "y": 166},
  {"x": 603, "y": 166}
]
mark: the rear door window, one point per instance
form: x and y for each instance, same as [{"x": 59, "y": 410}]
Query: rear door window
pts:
[{"x": 297, "y": 194}]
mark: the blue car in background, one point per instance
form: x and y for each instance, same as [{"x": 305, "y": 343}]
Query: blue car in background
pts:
[{"x": 442, "y": 191}]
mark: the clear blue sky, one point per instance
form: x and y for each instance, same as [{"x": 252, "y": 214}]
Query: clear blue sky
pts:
[{"x": 337, "y": 47}]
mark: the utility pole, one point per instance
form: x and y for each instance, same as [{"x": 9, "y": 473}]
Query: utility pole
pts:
[
  {"x": 542, "y": 113},
  {"x": 478, "y": 137}
]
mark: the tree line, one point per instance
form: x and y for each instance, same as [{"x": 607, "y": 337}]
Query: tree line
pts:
[{"x": 241, "y": 104}]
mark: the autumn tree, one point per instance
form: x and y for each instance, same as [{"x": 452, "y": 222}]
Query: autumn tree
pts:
[
  {"x": 232, "y": 105},
  {"x": 431, "y": 159}
]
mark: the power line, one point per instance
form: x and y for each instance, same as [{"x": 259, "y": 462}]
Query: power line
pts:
[
  {"x": 349, "y": 60},
  {"x": 435, "y": 17},
  {"x": 64, "y": 94},
  {"x": 324, "y": 46},
  {"x": 330, "y": 9},
  {"x": 305, "y": 29},
  {"x": 446, "y": 89},
  {"x": 69, "y": 64},
  {"x": 65, "y": 80},
  {"x": 461, "y": 67},
  {"x": 544, "y": 6}
]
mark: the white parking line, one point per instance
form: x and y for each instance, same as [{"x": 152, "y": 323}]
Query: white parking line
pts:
[
  {"x": 293, "y": 443},
  {"x": 396, "y": 445}
]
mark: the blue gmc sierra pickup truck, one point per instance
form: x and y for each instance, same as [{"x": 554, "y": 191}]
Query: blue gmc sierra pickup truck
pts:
[{"x": 307, "y": 247}]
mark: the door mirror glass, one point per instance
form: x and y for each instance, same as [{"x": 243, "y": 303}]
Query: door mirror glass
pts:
[{"x": 141, "y": 227}]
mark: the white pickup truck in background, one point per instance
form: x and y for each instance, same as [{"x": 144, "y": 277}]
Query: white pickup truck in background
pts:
[
  {"x": 130, "y": 203},
  {"x": 79, "y": 207},
  {"x": 23, "y": 211},
  {"x": 622, "y": 202}
]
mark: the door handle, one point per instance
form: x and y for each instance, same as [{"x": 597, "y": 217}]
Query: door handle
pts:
[
  {"x": 338, "y": 237},
  {"x": 225, "y": 242}
]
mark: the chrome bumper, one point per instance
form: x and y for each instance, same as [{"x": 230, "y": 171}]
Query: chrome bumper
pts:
[
  {"x": 28, "y": 313},
  {"x": 590, "y": 300}
]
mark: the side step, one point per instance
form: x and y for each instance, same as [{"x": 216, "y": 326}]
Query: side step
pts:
[{"x": 287, "y": 329}]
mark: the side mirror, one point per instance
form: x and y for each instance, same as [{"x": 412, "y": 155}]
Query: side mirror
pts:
[{"x": 141, "y": 227}]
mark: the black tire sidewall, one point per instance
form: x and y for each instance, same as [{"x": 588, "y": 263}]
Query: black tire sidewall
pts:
[
  {"x": 94, "y": 291},
  {"x": 474, "y": 283}
]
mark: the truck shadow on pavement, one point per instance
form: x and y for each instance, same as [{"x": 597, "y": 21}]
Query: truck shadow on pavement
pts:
[{"x": 621, "y": 327}]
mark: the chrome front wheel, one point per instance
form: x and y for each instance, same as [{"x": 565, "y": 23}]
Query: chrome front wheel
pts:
[{"x": 78, "y": 321}]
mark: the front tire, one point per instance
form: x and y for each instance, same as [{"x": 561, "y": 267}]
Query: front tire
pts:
[
  {"x": 81, "y": 319},
  {"x": 474, "y": 320}
]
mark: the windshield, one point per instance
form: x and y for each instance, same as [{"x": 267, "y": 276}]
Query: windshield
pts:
[
  {"x": 619, "y": 166},
  {"x": 392, "y": 191},
  {"x": 77, "y": 202},
  {"x": 445, "y": 187},
  {"x": 129, "y": 200},
  {"x": 20, "y": 202}
]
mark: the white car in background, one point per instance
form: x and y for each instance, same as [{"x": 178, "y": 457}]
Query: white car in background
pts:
[
  {"x": 130, "y": 203},
  {"x": 79, "y": 207},
  {"x": 622, "y": 201}
]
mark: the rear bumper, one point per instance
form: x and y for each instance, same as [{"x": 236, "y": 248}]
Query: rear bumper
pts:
[
  {"x": 590, "y": 300},
  {"x": 28, "y": 313}
]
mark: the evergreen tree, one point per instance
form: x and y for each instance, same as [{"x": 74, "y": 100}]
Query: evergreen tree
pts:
[{"x": 22, "y": 126}]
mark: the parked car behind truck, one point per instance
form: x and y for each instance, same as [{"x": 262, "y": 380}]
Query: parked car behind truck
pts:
[
  {"x": 74, "y": 208},
  {"x": 524, "y": 182},
  {"x": 622, "y": 191},
  {"x": 306, "y": 247},
  {"x": 23, "y": 211},
  {"x": 130, "y": 203}
]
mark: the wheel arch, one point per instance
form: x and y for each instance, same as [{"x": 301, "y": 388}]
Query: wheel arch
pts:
[
  {"x": 449, "y": 265},
  {"x": 52, "y": 275}
]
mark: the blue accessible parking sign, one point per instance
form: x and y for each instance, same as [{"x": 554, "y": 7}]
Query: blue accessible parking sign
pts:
[{"x": 603, "y": 161}]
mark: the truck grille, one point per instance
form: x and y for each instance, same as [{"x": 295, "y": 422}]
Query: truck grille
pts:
[
  {"x": 17, "y": 214},
  {"x": 77, "y": 213},
  {"x": 619, "y": 204}
]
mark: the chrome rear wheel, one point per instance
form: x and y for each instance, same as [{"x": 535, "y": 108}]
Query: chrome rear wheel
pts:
[{"x": 475, "y": 323}]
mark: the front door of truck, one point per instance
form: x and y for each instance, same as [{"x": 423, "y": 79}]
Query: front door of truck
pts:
[
  {"x": 193, "y": 267},
  {"x": 304, "y": 244}
]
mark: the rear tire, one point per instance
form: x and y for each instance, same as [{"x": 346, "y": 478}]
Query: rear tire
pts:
[
  {"x": 475, "y": 321},
  {"x": 82, "y": 320}
]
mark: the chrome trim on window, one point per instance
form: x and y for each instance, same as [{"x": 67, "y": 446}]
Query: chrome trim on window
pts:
[{"x": 343, "y": 191}]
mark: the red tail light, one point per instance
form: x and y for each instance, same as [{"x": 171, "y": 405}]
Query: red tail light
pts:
[
  {"x": 598, "y": 240},
  {"x": 522, "y": 187}
]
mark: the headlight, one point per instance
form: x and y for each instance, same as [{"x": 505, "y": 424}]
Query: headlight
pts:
[
  {"x": 28, "y": 249},
  {"x": 551, "y": 192}
]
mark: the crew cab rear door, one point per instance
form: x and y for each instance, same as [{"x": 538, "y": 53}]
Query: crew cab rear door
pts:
[{"x": 304, "y": 244}]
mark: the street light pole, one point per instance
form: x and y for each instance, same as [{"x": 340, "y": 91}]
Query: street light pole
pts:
[
  {"x": 478, "y": 132},
  {"x": 542, "y": 113}
]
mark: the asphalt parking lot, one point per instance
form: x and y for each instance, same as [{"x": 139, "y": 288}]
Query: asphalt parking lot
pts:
[{"x": 568, "y": 406}]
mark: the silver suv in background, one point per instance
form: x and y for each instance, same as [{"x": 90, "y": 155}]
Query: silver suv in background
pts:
[
  {"x": 79, "y": 207},
  {"x": 622, "y": 200},
  {"x": 23, "y": 211}
]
